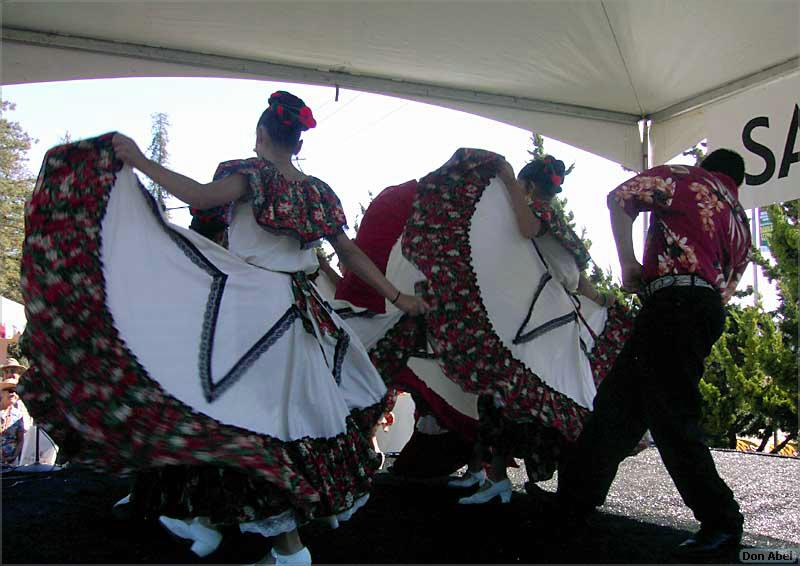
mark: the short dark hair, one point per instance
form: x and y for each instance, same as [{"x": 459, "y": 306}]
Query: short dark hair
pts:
[{"x": 725, "y": 161}]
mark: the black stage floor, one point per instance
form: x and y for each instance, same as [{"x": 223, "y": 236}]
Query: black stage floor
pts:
[{"x": 65, "y": 517}]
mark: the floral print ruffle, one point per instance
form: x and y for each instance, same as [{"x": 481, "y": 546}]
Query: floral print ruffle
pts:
[
  {"x": 306, "y": 210},
  {"x": 608, "y": 344},
  {"x": 85, "y": 384}
]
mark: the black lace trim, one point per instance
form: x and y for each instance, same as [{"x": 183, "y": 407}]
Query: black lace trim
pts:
[
  {"x": 338, "y": 357},
  {"x": 522, "y": 337},
  {"x": 546, "y": 327},
  {"x": 213, "y": 390}
]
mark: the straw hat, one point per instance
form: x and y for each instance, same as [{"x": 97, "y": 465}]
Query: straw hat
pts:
[
  {"x": 11, "y": 380},
  {"x": 13, "y": 363}
]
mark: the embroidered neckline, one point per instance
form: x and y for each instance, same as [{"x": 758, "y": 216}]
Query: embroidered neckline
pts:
[{"x": 307, "y": 210}]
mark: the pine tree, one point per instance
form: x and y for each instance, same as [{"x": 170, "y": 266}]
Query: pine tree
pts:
[
  {"x": 157, "y": 151},
  {"x": 783, "y": 358},
  {"x": 16, "y": 186},
  {"x": 698, "y": 152}
]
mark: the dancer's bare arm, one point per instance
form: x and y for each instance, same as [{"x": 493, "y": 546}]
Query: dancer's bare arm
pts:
[
  {"x": 589, "y": 291},
  {"x": 332, "y": 274},
  {"x": 356, "y": 260},
  {"x": 622, "y": 227},
  {"x": 527, "y": 222},
  {"x": 198, "y": 195}
]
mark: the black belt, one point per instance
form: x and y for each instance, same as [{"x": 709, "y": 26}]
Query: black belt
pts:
[{"x": 675, "y": 281}]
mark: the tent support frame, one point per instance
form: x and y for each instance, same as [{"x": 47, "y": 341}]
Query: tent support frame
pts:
[
  {"x": 732, "y": 88},
  {"x": 330, "y": 77}
]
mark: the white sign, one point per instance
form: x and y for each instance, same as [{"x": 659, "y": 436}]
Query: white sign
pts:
[
  {"x": 12, "y": 318},
  {"x": 762, "y": 125}
]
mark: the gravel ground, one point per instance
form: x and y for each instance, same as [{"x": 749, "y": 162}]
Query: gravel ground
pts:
[
  {"x": 766, "y": 488},
  {"x": 66, "y": 518}
]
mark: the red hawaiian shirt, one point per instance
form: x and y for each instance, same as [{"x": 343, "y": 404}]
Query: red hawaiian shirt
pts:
[{"x": 697, "y": 224}]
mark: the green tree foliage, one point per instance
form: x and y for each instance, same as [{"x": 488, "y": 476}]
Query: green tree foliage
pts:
[
  {"x": 16, "y": 185},
  {"x": 157, "y": 151},
  {"x": 698, "y": 152},
  {"x": 784, "y": 359},
  {"x": 750, "y": 384},
  {"x": 363, "y": 211}
]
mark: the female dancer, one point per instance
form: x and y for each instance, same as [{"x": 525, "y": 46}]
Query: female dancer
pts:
[
  {"x": 274, "y": 429},
  {"x": 563, "y": 252}
]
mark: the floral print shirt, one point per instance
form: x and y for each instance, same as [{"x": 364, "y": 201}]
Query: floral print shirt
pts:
[{"x": 697, "y": 226}]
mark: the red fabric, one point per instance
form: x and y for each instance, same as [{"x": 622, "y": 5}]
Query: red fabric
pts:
[
  {"x": 447, "y": 416},
  {"x": 380, "y": 229},
  {"x": 697, "y": 226}
]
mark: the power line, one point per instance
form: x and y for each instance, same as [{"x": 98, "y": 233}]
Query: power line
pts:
[{"x": 376, "y": 122}]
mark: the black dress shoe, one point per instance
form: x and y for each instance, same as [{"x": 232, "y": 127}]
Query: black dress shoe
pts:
[{"x": 710, "y": 541}]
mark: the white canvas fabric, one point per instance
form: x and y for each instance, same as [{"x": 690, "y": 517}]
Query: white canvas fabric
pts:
[
  {"x": 581, "y": 71},
  {"x": 48, "y": 450}
]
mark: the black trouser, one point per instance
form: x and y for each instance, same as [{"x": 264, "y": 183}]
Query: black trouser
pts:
[{"x": 654, "y": 384}]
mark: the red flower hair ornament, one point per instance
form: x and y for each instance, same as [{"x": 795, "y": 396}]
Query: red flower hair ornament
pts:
[
  {"x": 291, "y": 110},
  {"x": 306, "y": 117}
]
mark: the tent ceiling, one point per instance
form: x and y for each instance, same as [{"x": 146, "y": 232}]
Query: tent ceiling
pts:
[{"x": 610, "y": 61}]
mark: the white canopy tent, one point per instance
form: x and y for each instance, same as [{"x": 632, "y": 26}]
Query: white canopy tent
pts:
[{"x": 585, "y": 72}]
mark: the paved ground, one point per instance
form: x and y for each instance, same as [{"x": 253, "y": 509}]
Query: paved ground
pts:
[{"x": 66, "y": 518}]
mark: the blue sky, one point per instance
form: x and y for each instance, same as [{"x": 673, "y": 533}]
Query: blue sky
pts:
[{"x": 363, "y": 142}]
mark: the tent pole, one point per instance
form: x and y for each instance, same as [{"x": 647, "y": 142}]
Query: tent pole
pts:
[
  {"x": 646, "y": 164},
  {"x": 754, "y": 228},
  {"x": 37, "y": 444}
]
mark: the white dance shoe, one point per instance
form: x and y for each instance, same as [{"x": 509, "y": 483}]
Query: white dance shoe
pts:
[
  {"x": 122, "y": 509},
  {"x": 469, "y": 479},
  {"x": 302, "y": 556},
  {"x": 205, "y": 540},
  {"x": 501, "y": 489}
]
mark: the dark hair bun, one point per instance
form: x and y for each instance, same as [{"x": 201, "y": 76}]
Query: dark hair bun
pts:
[
  {"x": 291, "y": 111},
  {"x": 546, "y": 172}
]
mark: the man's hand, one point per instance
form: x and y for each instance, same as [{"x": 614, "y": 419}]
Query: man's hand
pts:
[
  {"x": 412, "y": 304},
  {"x": 632, "y": 276},
  {"x": 127, "y": 151}
]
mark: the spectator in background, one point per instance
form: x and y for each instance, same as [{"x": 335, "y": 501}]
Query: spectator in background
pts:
[
  {"x": 5, "y": 343},
  {"x": 12, "y": 413}
]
